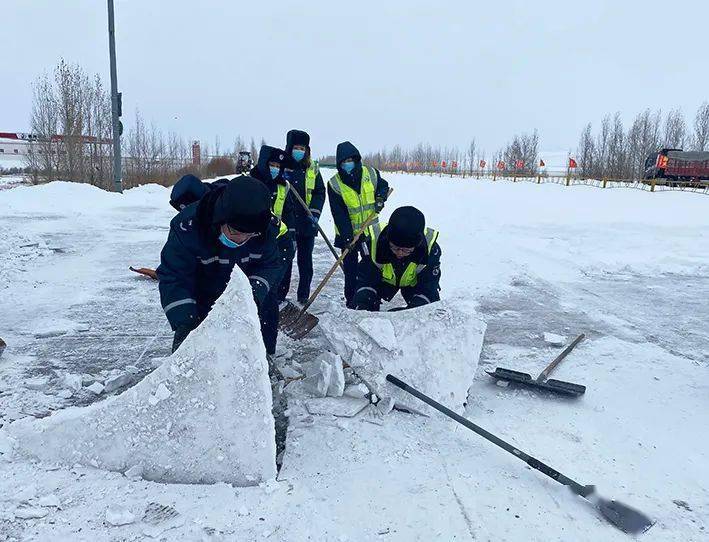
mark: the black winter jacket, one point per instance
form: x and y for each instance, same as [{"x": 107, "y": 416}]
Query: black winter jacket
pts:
[{"x": 195, "y": 266}]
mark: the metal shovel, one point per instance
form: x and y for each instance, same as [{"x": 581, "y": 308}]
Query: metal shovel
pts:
[{"x": 541, "y": 382}]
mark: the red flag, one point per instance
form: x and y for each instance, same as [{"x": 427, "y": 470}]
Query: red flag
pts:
[
  {"x": 541, "y": 163},
  {"x": 500, "y": 165},
  {"x": 443, "y": 164},
  {"x": 455, "y": 165},
  {"x": 519, "y": 164},
  {"x": 572, "y": 163},
  {"x": 482, "y": 164}
]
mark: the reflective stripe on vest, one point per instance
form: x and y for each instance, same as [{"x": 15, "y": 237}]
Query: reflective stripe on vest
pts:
[
  {"x": 310, "y": 176},
  {"x": 359, "y": 206},
  {"x": 410, "y": 275}
]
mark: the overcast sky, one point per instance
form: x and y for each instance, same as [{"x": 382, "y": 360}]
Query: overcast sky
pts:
[{"x": 374, "y": 72}]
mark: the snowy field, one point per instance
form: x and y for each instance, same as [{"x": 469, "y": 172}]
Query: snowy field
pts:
[{"x": 629, "y": 269}]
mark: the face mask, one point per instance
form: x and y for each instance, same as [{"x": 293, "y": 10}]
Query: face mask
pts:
[
  {"x": 274, "y": 171},
  {"x": 298, "y": 154},
  {"x": 229, "y": 243},
  {"x": 348, "y": 167}
]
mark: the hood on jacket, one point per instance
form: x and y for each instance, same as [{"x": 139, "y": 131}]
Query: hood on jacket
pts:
[
  {"x": 186, "y": 191},
  {"x": 347, "y": 150},
  {"x": 269, "y": 154}
]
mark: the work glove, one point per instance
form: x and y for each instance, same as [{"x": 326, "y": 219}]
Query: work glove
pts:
[
  {"x": 180, "y": 335},
  {"x": 379, "y": 205}
]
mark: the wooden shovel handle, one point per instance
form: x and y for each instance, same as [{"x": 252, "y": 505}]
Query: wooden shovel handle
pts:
[
  {"x": 549, "y": 368},
  {"x": 344, "y": 254}
]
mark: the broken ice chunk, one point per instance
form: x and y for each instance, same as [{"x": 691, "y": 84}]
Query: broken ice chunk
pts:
[
  {"x": 337, "y": 375},
  {"x": 385, "y": 405},
  {"x": 554, "y": 340},
  {"x": 381, "y": 331},
  {"x": 357, "y": 391},
  {"x": 119, "y": 380},
  {"x": 318, "y": 380},
  {"x": 49, "y": 501},
  {"x": 96, "y": 388},
  {"x": 30, "y": 512},
  {"x": 117, "y": 515},
  {"x": 73, "y": 382},
  {"x": 341, "y": 406}
]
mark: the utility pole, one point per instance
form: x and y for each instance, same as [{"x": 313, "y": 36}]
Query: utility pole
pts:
[{"x": 116, "y": 103}]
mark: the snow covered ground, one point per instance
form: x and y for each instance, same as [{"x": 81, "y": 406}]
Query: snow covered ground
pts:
[{"x": 628, "y": 268}]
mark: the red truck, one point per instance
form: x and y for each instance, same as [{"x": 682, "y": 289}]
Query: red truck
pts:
[{"x": 677, "y": 165}]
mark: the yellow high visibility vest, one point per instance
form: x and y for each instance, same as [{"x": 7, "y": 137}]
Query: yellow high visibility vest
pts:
[
  {"x": 281, "y": 193},
  {"x": 410, "y": 275},
  {"x": 310, "y": 176},
  {"x": 359, "y": 206}
]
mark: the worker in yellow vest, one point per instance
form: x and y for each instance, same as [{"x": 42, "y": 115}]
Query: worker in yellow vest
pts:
[
  {"x": 355, "y": 192},
  {"x": 269, "y": 170},
  {"x": 303, "y": 173},
  {"x": 401, "y": 255}
]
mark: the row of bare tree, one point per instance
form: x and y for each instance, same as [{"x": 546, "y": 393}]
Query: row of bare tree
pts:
[
  {"x": 71, "y": 122},
  {"x": 615, "y": 152},
  {"x": 520, "y": 155}
]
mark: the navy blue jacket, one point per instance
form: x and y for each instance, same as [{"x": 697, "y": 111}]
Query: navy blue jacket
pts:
[
  {"x": 369, "y": 276},
  {"x": 340, "y": 214},
  {"x": 195, "y": 266}
]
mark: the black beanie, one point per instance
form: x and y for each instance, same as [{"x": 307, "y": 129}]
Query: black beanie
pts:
[
  {"x": 406, "y": 227},
  {"x": 244, "y": 204}
]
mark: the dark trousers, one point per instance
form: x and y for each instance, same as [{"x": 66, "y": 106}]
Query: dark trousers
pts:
[
  {"x": 268, "y": 310},
  {"x": 268, "y": 314},
  {"x": 304, "y": 246},
  {"x": 349, "y": 265}
]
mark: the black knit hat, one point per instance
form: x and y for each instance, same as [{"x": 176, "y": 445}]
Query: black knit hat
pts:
[
  {"x": 406, "y": 227},
  {"x": 244, "y": 204}
]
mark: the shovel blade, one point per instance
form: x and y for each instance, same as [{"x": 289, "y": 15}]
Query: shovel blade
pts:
[
  {"x": 301, "y": 326},
  {"x": 624, "y": 517},
  {"x": 288, "y": 315},
  {"x": 524, "y": 379}
]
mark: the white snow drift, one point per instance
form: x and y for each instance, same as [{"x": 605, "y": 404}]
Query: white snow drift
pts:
[
  {"x": 435, "y": 348},
  {"x": 204, "y": 416}
]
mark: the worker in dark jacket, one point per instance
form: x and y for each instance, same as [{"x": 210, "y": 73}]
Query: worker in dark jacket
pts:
[
  {"x": 402, "y": 255},
  {"x": 304, "y": 176},
  {"x": 355, "y": 192},
  {"x": 231, "y": 225},
  {"x": 269, "y": 170}
]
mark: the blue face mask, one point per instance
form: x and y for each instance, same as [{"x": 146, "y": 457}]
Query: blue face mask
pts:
[
  {"x": 228, "y": 242},
  {"x": 274, "y": 171},
  {"x": 298, "y": 154},
  {"x": 348, "y": 167}
]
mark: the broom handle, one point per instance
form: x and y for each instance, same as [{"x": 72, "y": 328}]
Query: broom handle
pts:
[
  {"x": 344, "y": 254},
  {"x": 549, "y": 368},
  {"x": 317, "y": 224}
]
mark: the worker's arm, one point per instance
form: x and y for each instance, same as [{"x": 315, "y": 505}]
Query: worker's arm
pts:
[
  {"x": 341, "y": 217},
  {"x": 382, "y": 187},
  {"x": 177, "y": 279},
  {"x": 289, "y": 211},
  {"x": 369, "y": 279},
  {"x": 265, "y": 274},
  {"x": 428, "y": 281},
  {"x": 317, "y": 200}
]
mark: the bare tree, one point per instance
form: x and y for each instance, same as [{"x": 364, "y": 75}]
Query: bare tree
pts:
[
  {"x": 586, "y": 152},
  {"x": 701, "y": 128},
  {"x": 471, "y": 155},
  {"x": 675, "y": 130}
]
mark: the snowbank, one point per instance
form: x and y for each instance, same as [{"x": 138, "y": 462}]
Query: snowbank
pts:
[
  {"x": 204, "y": 416},
  {"x": 435, "y": 348}
]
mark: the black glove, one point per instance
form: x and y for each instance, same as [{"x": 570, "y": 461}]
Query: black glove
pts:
[
  {"x": 379, "y": 204},
  {"x": 180, "y": 335}
]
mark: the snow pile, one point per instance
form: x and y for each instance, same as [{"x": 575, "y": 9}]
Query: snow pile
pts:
[
  {"x": 435, "y": 348},
  {"x": 204, "y": 416}
]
